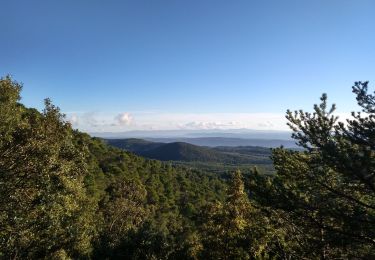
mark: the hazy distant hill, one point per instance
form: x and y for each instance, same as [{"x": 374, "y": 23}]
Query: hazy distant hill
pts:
[
  {"x": 228, "y": 141},
  {"x": 249, "y": 150},
  {"x": 255, "y": 136},
  {"x": 180, "y": 151}
]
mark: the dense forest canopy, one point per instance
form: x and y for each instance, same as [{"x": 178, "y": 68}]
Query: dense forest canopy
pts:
[{"x": 66, "y": 195}]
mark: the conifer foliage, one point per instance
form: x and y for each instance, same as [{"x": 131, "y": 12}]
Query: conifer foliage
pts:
[{"x": 328, "y": 189}]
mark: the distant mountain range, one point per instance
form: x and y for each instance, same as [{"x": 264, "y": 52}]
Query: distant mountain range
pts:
[
  {"x": 227, "y": 141},
  {"x": 185, "y": 152},
  {"x": 211, "y": 138},
  {"x": 228, "y": 133}
]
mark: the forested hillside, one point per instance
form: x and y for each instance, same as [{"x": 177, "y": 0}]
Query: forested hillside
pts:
[
  {"x": 65, "y": 195},
  {"x": 180, "y": 151}
]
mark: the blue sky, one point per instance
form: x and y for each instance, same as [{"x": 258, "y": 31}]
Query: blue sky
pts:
[{"x": 127, "y": 65}]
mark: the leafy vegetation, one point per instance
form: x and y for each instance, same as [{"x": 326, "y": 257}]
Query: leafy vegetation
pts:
[{"x": 66, "y": 195}]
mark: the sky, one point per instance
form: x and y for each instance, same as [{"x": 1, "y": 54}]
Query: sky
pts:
[{"x": 198, "y": 64}]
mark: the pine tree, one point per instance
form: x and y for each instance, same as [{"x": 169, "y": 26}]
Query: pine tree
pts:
[
  {"x": 327, "y": 190},
  {"x": 226, "y": 230}
]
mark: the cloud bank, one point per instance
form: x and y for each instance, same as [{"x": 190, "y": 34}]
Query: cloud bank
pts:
[{"x": 127, "y": 121}]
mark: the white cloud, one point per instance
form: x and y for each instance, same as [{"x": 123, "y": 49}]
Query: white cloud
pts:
[
  {"x": 73, "y": 119},
  {"x": 266, "y": 124},
  {"x": 209, "y": 125},
  {"x": 124, "y": 119}
]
